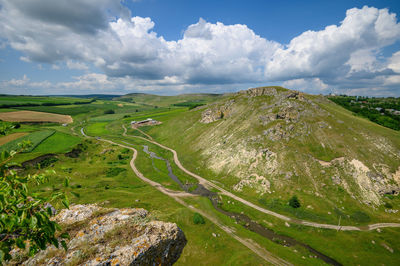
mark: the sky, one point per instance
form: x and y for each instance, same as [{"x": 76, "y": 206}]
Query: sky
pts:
[{"x": 171, "y": 47}]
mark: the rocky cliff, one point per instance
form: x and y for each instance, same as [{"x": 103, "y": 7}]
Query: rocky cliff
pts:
[{"x": 104, "y": 236}]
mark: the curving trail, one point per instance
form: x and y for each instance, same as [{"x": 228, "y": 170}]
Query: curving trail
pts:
[
  {"x": 263, "y": 253},
  {"x": 207, "y": 183}
]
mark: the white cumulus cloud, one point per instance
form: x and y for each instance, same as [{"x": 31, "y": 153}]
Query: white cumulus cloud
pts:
[{"x": 80, "y": 34}]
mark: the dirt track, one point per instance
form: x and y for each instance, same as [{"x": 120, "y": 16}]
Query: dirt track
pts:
[
  {"x": 207, "y": 183},
  {"x": 266, "y": 255}
]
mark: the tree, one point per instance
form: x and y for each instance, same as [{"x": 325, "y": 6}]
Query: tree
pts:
[
  {"x": 25, "y": 215},
  {"x": 294, "y": 202}
]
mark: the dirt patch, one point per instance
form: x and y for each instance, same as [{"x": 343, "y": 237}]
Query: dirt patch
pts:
[
  {"x": 8, "y": 138},
  {"x": 31, "y": 116}
]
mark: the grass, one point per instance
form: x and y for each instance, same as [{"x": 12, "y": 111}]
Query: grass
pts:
[
  {"x": 35, "y": 138},
  {"x": 21, "y": 100},
  {"x": 97, "y": 129},
  {"x": 90, "y": 173},
  {"x": 57, "y": 143}
]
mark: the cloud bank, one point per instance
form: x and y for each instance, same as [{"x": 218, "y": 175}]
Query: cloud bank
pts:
[{"x": 78, "y": 34}]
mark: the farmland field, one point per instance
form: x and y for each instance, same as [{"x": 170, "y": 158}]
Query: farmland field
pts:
[
  {"x": 61, "y": 109},
  {"x": 38, "y": 100},
  {"x": 57, "y": 143},
  {"x": 31, "y": 116},
  {"x": 35, "y": 138},
  {"x": 8, "y": 138}
]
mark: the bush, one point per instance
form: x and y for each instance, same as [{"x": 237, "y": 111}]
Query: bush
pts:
[
  {"x": 108, "y": 112},
  {"x": 198, "y": 219},
  {"x": 25, "y": 216},
  {"x": 294, "y": 202},
  {"x": 114, "y": 171}
]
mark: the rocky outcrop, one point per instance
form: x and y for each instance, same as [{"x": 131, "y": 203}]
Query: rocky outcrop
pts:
[
  {"x": 217, "y": 112},
  {"x": 254, "y": 92},
  {"x": 103, "y": 236}
]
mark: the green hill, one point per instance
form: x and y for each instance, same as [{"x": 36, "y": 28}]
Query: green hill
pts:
[{"x": 268, "y": 144}]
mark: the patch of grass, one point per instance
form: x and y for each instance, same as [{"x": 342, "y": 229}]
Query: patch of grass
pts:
[{"x": 97, "y": 129}]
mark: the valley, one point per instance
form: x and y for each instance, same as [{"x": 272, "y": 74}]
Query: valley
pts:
[{"x": 235, "y": 167}]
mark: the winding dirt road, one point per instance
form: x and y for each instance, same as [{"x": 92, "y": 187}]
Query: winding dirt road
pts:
[
  {"x": 260, "y": 251},
  {"x": 207, "y": 183}
]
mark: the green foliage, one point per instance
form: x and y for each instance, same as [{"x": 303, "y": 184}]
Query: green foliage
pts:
[
  {"x": 47, "y": 162},
  {"x": 114, "y": 171},
  {"x": 25, "y": 216},
  {"x": 108, "y": 112},
  {"x": 294, "y": 202},
  {"x": 378, "y": 110},
  {"x": 4, "y": 128},
  {"x": 198, "y": 219}
]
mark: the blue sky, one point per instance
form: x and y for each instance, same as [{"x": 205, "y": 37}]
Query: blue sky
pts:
[{"x": 171, "y": 47}]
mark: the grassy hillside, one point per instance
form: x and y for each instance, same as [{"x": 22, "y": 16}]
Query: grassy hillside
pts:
[{"x": 268, "y": 144}]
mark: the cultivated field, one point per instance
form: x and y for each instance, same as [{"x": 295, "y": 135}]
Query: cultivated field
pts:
[
  {"x": 31, "y": 116},
  {"x": 8, "y": 138}
]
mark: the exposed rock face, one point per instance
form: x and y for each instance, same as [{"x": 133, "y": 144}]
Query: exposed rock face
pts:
[
  {"x": 216, "y": 113},
  {"x": 322, "y": 148},
  {"x": 101, "y": 236}
]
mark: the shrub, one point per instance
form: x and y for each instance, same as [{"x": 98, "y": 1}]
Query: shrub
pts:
[
  {"x": 25, "y": 216},
  {"x": 198, "y": 219},
  {"x": 114, "y": 171},
  {"x": 294, "y": 202},
  {"x": 108, "y": 112}
]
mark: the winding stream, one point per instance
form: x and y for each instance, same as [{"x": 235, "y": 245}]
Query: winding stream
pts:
[{"x": 240, "y": 218}]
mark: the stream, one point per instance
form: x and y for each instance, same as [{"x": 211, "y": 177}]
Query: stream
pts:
[{"x": 240, "y": 218}]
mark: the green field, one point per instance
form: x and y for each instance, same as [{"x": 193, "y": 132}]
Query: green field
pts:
[
  {"x": 38, "y": 100},
  {"x": 57, "y": 143},
  {"x": 34, "y": 138},
  {"x": 97, "y": 129}
]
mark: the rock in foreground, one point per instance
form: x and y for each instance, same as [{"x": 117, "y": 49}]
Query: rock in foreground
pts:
[{"x": 102, "y": 236}]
